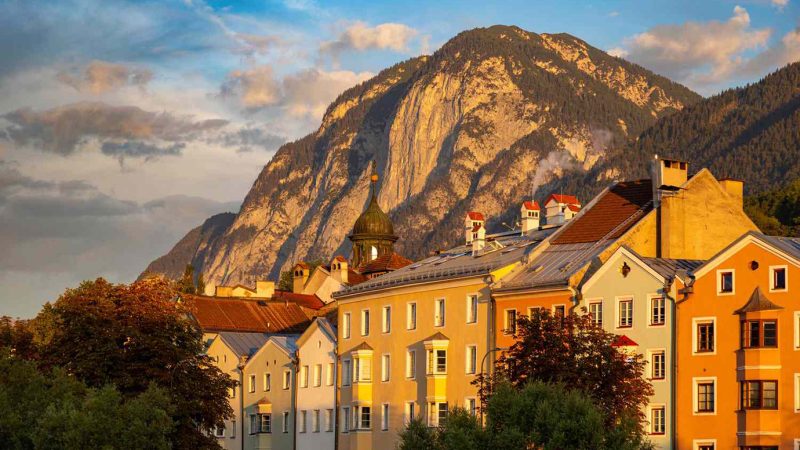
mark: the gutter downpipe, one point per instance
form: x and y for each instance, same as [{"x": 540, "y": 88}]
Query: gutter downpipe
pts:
[
  {"x": 295, "y": 384},
  {"x": 242, "y": 363},
  {"x": 688, "y": 289},
  {"x": 490, "y": 338},
  {"x": 668, "y": 285},
  {"x": 335, "y": 417}
]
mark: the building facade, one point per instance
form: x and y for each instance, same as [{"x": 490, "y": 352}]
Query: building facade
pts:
[{"x": 316, "y": 387}]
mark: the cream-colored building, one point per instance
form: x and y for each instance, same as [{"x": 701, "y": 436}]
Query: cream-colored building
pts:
[{"x": 316, "y": 387}]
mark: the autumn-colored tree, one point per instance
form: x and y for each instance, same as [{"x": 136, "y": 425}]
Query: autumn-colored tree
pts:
[
  {"x": 572, "y": 351},
  {"x": 134, "y": 335}
]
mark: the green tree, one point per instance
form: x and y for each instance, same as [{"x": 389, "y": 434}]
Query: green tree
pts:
[
  {"x": 134, "y": 335},
  {"x": 186, "y": 283}
]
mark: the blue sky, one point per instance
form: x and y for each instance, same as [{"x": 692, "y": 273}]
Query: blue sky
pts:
[{"x": 123, "y": 124}]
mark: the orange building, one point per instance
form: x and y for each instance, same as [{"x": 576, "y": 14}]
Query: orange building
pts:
[{"x": 738, "y": 337}]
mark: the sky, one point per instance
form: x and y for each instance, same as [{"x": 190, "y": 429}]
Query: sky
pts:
[{"x": 124, "y": 124}]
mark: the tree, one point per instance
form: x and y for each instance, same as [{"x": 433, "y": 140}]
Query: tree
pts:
[
  {"x": 55, "y": 411},
  {"x": 134, "y": 335},
  {"x": 186, "y": 283},
  {"x": 574, "y": 352}
]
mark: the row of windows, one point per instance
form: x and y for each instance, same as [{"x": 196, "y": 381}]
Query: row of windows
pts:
[
  {"x": 754, "y": 333},
  {"x": 360, "y": 417},
  {"x": 266, "y": 383},
  {"x": 511, "y": 317},
  {"x": 778, "y": 280},
  {"x": 411, "y": 316},
  {"x": 317, "y": 375},
  {"x": 359, "y": 369},
  {"x": 657, "y": 312},
  {"x": 753, "y": 394},
  {"x": 316, "y": 422}
]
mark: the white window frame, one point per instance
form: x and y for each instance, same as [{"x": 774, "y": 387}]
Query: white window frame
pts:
[
  {"x": 469, "y": 407},
  {"x": 560, "y": 305},
  {"x": 365, "y": 324},
  {"x": 410, "y": 411},
  {"x": 267, "y": 381},
  {"x": 329, "y": 376},
  {"x": 471, "y": 359},
  {"x": 411, "y": 364},
  {"x": 219, "y": 432},
  {"x": 596, "y": 302},
  {"x": 251, "y": 383},
  {"x": 797, "y": 393},
  {"x": 432, "y": 363},
  {"x": 619, "y": 300},
  {"x": 651, "y": 424},
  {"x": 772, "y": 278},
  {"x": 359, "y": 411},
  {"x": 347, "y": 372},
  {"x": 386, "y": 319},
  {"x": 301, "y": 421},
  {"x": 304, "y": 376},
  {"x": 531, "y": 309},
  {"x": 506, "y": 330},
  {"x": 439, "y": 321},
  {"x": 347, "y": 322},
  {"x": 797, "y": 444},
  {"x": 797, "y": 330},
  {"x": 650, "y": 299},
  {"x": 472, "y": 309},
  {"x": 698, "y": 442},
  {"x": 719, "y": 282},
  {"x": 315, "y": 421},
  {"x": 651, "y": 363},
  {"x": 346, "y": 426},
  {"x": 386, "y": 367},
  {"x": 317, "y": 377},
  {"x": 286, "y": 380},
  {"x": 329, "y": 420},
  {"x": 696, "y": 321},
  {"x": 411, "y": 319},
  {"x": 695, "y": 404},
  {"x": 285, "y": 424},
  {"x": 384, "y": 417}
]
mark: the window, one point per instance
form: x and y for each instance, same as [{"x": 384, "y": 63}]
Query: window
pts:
[
  {"x": 705, "y": 337},
  {"x": 364, "y": 416},
  {"x": 346, "y": 326},
  {"x": 759, "y": 394},
  {"x": 658, "y": 365},
  {"x": 363, "y": 369},
  {"x": 317, "y": 375},
  {"x": 346, "y": 373},
  {"x": 626, "y": 313},
  {"x": 560, "y": 311},
  {"x": 472, "y": 358},
  {"x": 797, "y": 392},
  {"x": 471, "y": 405},
  {"x": 385, "y": 416},
  {"x": 315, "y": 421},
  {"x": 411, "y": 364},
  {"x": 511, "y": 322},
  {"x": 219, "y": 431},
  {"x": 260, "y": 423},
  {"x": 725, "y": 282},
  {"x": 658, "y": 312},
  {"x": 304, "y": 376},
  {"x": 365, "y": 322},
  {"x": 232, "y": 392},
  {"x": 267, "y": 382},
  {"x": 759, "y": 333},
  {"x": 328, "y": 420},
  {"x": 705, "y": 447},
  {"x": 251, "y": 383},
  {"x": 411, "y": 316},
  {"x": 596, "y": 311},
  {"x": 441, "y": 413},
  {"x": 797, "y": 330},
  {"x": 658, "y": 420},
  {"x": 778, "y": 278},
  {"x": 437, "y": 361},
  {"x": 438, "y": 315},
  {"x": 329, "y": 375},
  {"x": 287, "y": 379},
  {"x": 472, "y": 308},
  {"x": 533, "y": 310},
  {"x": 385, "y": 367},
  {"x": 373, "y": 252},
  {"x": 233, "y": 428},
  {"x": 411, "y": 412},
  {"x": 285, "y": 424},
  {"x": 705, "y": 397},
  {"x": 345, "y": 419},
  {"x": 301, "y": 422},
  {"x": 386, "y": 322}
]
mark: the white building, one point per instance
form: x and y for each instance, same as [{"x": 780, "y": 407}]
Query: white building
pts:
[{"x": 316, "y": 387}]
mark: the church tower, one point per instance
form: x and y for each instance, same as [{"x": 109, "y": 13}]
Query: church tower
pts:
[{"x": 373, "y": 233}]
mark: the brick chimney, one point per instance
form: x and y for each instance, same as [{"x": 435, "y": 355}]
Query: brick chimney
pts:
[
  {"x": 339, "y": 269},
  {"x": 529, "y": 216},
  {"x": 472, "y": 220},
  {"x": 265, "y": 289},
  {"x": 300, "y": 274}
]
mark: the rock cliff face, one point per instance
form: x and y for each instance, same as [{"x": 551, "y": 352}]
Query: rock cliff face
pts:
[{"x": 480, "y": 124}]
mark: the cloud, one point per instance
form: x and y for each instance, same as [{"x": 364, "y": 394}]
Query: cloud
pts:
[
  {"x": 99, "y": 77},
  {"x": 697, "y": 53},
  {"x": 780, "y": 4},
  {"x": 139, "y": 149},
  {"x": 257, "y": 43},
  {"x": 249, "y": 138},
  {"x": 303, "y": 94},
  {"x": 786, "y": 51},
  {"x": 360, "y": 37},
  {"x": 63, "y": 130}
]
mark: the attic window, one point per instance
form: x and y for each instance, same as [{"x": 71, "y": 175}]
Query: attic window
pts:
[{"x": 683, "y": 166}]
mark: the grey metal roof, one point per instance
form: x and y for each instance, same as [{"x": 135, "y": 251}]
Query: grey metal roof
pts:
[
  {"x": 789, "y": 244},
  {"x": 554, "y": 266},
  {"x": 501, "y": 250},
  {"x": 670, "y": 267},
  {"x": 287, "y": 342},
  {"x": 244, "y": 344}
]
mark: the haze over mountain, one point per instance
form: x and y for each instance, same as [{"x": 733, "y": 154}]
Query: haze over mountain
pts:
[{"x": 479, "y": 125}]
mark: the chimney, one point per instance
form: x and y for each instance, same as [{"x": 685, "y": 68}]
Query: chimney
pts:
[
  {"x": 529, "y": 219},
  {"x": 472, "y": 221},
  {"x": 265, "y": 289},
  {"x": 300, "y": 275},
  {"x": 223, "y": 291},
  {"x": 561, "y": 208},
  {"x": 668, "y": 175},
  {"x": 339, "y": 269},
  {"x": 735, "y": 189},
  {"x": 478, "y": 239}
]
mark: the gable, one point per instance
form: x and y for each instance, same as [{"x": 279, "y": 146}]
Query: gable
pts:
[
  {"x": 610, "y": 270},
  {"x": 749, "y": 246}
]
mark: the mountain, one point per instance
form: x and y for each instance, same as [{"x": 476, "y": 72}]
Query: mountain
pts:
[
  {"x": 480, "y": 124},
  {"x": 751, "y": 133}
]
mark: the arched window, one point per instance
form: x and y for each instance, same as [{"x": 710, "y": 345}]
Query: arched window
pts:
[{"x": 373, "y": 252}]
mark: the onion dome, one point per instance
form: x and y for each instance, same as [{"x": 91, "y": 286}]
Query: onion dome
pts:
[{"x": 373, "y": 221}]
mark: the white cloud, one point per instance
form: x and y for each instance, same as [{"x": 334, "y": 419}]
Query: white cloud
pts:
[
  {"x": 254, "y": 88},
  {"x": 780, "y": 4},
  {"x": 360, "y": 37},
  {"x": 99, "y": 77}
]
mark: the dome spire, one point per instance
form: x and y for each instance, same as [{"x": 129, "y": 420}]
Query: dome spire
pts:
[{"x": 373, "y": 232}]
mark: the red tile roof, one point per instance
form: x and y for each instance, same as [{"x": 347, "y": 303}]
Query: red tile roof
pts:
[
  {"x": 574, "y": 208},
  {"x": 309, "y": 301},
  {"x": 562, "y": 198},
  {"x": 303, "y": 265},
  {"x": 531, "y": 205},
  {"x": 476, "y": 228},
  {"x": 474, "y": 215},
  {"x": 609, "y": 211},
  {"x": 339, "y": 258},
  {"x": 384, "y": 263},
  {"x": 215, "y": 314},
  {"x": 354, "y": 277},
  {"x": 623, "y": 341}
]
